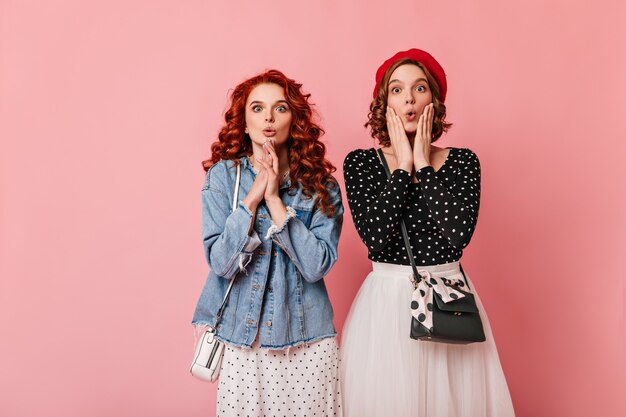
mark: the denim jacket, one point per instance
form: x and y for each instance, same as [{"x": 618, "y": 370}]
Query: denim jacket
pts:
[{"x": 279, "y": 293}]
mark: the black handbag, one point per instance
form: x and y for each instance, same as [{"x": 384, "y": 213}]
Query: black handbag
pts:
[{"x": 456, "y": 320}]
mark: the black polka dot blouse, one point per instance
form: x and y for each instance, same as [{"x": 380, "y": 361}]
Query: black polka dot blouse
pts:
[{"x": 440, "y": 210}]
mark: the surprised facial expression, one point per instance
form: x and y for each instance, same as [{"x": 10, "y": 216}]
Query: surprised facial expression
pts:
[
  {"x": 268, "y": 114},
  {"x": 408, "y": 93}
]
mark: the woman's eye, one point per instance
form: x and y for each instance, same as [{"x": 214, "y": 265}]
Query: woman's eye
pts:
[
  {"x": 281, "y": 109},
  {"x": 395, "y": 90},
  {"x": 421, "y": 88},
  {"x": 256, "y": 109}
]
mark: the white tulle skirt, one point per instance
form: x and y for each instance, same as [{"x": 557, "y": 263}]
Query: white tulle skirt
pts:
[{"x": 386, "y": 373}]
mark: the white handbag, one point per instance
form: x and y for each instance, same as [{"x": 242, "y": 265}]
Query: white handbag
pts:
[{"x": 207, "y": 359}]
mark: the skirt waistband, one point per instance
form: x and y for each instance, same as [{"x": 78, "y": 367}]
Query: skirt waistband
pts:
[{"x": 451, "y": 268}]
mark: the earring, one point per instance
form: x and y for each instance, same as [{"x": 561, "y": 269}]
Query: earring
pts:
[{"x": 246, "y": 129}]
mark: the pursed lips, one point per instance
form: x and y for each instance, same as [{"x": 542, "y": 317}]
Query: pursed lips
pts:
[
  {"x": 269, "y": 132},
  {"x": 410, "y": 115}
]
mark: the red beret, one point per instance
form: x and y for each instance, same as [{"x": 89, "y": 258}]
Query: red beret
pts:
[{"x": 423, "y": 58}]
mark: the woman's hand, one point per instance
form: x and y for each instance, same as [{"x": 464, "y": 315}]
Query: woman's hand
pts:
[
  {"x": 257, "y": 191},
  {"x": 270, "y": 165},
  {"x": 277, "y": 208},
  {"x": 399, "y": 141},
  {"x": 423, "y": 137}
]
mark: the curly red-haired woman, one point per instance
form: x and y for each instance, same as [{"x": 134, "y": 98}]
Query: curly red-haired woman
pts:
[{"x": 276, "y": 245}]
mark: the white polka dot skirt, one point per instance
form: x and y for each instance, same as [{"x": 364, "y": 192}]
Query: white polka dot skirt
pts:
[
  {"x": 299, "y": 381},
  {"x": 386, "y": 373}
]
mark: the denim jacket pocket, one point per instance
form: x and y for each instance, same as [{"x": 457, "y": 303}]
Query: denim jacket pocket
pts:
[{"x": 305, "y": 215}]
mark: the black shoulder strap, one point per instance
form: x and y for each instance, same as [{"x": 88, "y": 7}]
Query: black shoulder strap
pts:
[{"x": 405, "y": 234}]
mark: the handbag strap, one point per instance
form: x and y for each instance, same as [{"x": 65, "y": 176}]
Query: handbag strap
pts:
[
  {"x": 218, "y": 318},
  {"x": 405, "y": 234}
]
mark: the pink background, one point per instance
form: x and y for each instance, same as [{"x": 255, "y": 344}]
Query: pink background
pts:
[{"x": 107, "y": 109}]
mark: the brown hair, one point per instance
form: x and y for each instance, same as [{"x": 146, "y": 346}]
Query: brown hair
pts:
[
  {"x": 307, "y": 153},
  {"x": 377, "y": 120}
]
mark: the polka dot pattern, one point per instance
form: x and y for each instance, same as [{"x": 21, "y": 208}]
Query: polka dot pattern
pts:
[
  {"x": 440, "y": 211},
  {"x": 299, "y": 381}
]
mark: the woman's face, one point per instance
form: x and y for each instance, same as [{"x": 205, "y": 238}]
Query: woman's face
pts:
[
  {"x": 268, "y": 115},
  {"x": 408, "y": 93}
]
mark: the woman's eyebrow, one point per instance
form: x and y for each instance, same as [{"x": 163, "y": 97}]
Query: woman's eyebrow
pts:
[
  {"x": 416, "y": 81},
  {"x": 255, "y": 102}
]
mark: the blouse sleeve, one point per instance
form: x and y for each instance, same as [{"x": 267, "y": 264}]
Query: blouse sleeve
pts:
[
  {"x": 376, "y": 212},
  {"x": 455, "y": 209}
]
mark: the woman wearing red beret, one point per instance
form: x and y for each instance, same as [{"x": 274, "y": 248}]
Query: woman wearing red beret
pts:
[{"x": 435, "y": 191}]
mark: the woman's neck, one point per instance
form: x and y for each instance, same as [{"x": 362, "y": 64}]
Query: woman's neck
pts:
[{"x": 411, "y": 137}]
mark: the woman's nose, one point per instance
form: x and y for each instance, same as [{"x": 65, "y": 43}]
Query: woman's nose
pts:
[{"x": 269, "y": 116}]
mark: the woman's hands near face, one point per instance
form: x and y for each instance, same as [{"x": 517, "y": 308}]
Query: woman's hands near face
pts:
[
  {"x": 419, "y": 156},
  {"x": 269, "y": 162},
  {"x": 399, "y": 141},
  {"x": 270, "y": 165},
  {"x": 266, "y": 184},
  {"x": 257, "y": 191},
  {"x": 423, "y": 138}
]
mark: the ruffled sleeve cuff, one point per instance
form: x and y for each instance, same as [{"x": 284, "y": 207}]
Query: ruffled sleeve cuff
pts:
[
  {"x": 252, "y": 242},
  {"x": 274, "y": 229},
  {"x": 246, "y": 209}
]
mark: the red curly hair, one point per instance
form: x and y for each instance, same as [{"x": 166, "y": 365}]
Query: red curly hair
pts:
[{"x": 308, "y": 165}]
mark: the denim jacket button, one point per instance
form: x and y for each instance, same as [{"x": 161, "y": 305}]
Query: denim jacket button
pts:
[
  {"x": 268, "y": 323},
  {"x": 256, "y": 286},
  {"x": 250, "y": 322}
]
